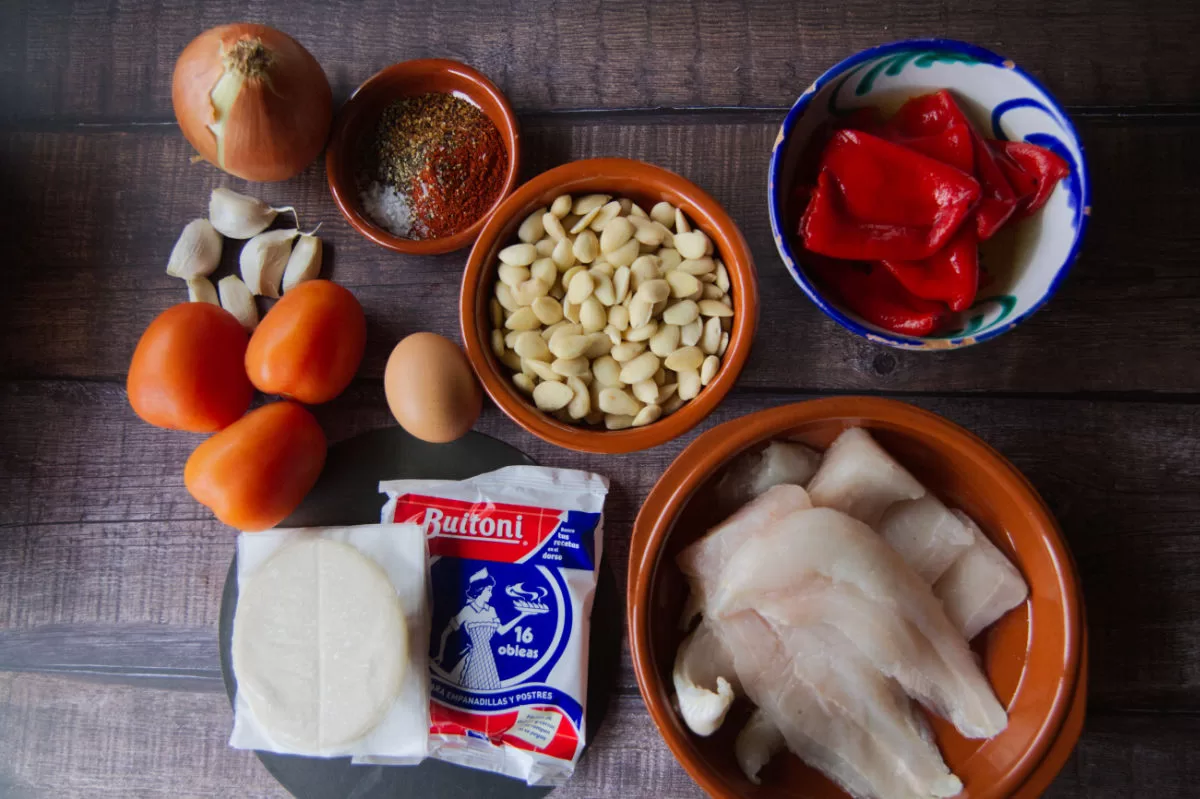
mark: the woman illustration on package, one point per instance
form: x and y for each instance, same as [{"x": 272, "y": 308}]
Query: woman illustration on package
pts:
[{"x": 477, "y": 667}]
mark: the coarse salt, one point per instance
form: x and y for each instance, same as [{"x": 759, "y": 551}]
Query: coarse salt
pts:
[{"x": 389, "y": 209}]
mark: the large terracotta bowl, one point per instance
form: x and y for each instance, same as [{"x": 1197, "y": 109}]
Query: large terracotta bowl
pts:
[
  {"x": 646, "y": 185},
  {"x": 356, "y": 123},
  {"x": 1032, "y": 656}
]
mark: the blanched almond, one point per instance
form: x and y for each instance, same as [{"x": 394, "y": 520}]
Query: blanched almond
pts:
[
  {"x": 548, "y": 310},
  {"x": 552, "y": 396},
  {"x": 615, "y": 234},
  {"x": 586, "y": 247},
  {"x": 530, "y": 345},
  {"x": 714, "y": 308},
  {"x": 647, "y": 415},
  {"x": 618, "y": 401},
  {"x": 518, "y": 254},
  {"x": 689, "y": 384},
  {"x": 638, "y": 369},
  {"x": 532, "y": 230},
  {"x": 580, "y": 404},
  {"x": 681, "y": 313},
  {"x": 685, "y": 359},
  {"x": 561, "y": 205},
  {"x": 664, "y": 214},
  {"x": 523, "y": 382}
]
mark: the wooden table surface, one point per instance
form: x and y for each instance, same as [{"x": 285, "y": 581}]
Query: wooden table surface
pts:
[{"x": 110, "y": 575}]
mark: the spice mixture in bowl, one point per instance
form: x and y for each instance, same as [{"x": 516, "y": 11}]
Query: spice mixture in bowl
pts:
[
  {"x": 928, "y": 194},
  {"x": 421, "y": 154},
  {"x": 436, "y": 164}
]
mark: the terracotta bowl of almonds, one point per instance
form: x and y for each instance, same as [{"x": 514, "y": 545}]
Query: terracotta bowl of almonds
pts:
[
  {"x": 608, "y": 305},
  {"x": 390, "y": 171}
]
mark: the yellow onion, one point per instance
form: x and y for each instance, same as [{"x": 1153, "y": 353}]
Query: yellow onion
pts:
[{"x": 252, "y": 100}]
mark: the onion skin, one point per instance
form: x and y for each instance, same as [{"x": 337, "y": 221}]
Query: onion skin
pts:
[{"x": 279, "y": 122}]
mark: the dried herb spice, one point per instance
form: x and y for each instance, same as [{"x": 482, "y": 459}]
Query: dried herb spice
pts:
[{"x": 436, "y": 165}]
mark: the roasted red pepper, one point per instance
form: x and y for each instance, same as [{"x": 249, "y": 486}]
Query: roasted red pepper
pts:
[
  {"x": 998, "y": 200},
  {"x": 1042, "y": 170},
  {"x": 933, "y": 124},
  {"x": 1024, "y": 185},
  {"x": 875, "y": 200},
  {"x": 950, "y": 275},
  {"x": 872, "y": 293}
]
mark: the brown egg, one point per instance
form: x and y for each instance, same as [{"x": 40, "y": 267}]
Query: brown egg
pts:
[{"x": 431, "y": 389}]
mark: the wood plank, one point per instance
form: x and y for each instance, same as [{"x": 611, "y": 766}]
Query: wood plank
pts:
[
  {"x": 89, "y": 275},
  {"x": 67, "y": 738},
  {"x": 157, "y": 743},
  {"x": 96, "y": 62},
  {"x": 1132, "y": 757},
  {"x": 101, "y": 539}
]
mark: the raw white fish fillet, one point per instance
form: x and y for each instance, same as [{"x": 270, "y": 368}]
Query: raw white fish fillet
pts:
[
  {"x": 820, "y": 566},
  {"x": 705, "y": 680},
  {"x": 859, "y": 478},
  {"x": 751, "y": 474},
  {"x": 981, "y": 586},
  {"x": 703, "y": 561},
  {"x": 758, "y": 742},
  {"x": 836, "y": 711},
  {"x": 926, "y": 534}
]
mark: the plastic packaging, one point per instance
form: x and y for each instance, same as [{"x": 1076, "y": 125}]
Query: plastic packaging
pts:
[
  {"x": 400, "y": 551},
  {"x": 513, "y": 558}
]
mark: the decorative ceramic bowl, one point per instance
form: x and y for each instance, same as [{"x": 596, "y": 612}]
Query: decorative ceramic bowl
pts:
[
  {"x": 1027, "y": 260},
  {"x": 645, "y": 184},
  {"x": 1032, "y": 656},
  {"x": 356, "y": 123}
]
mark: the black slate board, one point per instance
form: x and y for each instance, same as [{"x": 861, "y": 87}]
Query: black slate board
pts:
[{"x": 347, "y": 493}]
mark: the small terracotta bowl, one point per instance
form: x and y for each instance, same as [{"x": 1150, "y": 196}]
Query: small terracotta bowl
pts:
[
  {"x": 1032, "y": 656},
  {"x": 356, "y": 123},
  {"x": 646, "y": 185}
]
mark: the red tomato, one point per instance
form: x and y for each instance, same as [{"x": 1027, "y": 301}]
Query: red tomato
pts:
[
  {"x": 310, "y": 344},
  {"x": 258, "y": 470},
  {"x": 188, "y": 371}
]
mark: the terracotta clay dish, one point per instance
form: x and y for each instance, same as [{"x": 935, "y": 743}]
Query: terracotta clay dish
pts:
[
  {"x": 357, "y": 120},
  {"x": 644, "y": 184},
  {"x": 1032, "y": 656},
  {"x": 1060, "y": 751}
]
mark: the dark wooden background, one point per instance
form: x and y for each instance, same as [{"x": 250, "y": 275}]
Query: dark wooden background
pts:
[{"x": 110, "y": 576}]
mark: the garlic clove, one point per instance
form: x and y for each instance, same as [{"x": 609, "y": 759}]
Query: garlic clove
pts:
[
  {"x": 263, "y": 260},
  {"x": 237, "y": 299},
  {"x": 239, "y": 216},
  {"x": 200, "y": 289},
  {"x": 197, "y": 252},
  {"x": 304, "y": 262}
]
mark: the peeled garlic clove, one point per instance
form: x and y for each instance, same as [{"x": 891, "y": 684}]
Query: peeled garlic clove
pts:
[
  {"x": 304, "y": 262},
  {"x": 263, "y": 260},
  {"x": 237, "y": 299},
  {"x": 240, "y": 217},
  {"x": 197, "y": 252},
  {"x": 200, "y": 289}
]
